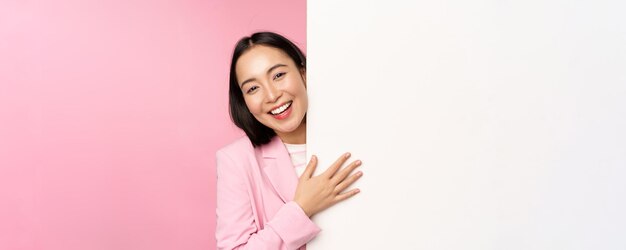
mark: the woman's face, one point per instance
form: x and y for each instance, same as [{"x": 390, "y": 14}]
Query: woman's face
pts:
[{"x": 273, "y": 88}]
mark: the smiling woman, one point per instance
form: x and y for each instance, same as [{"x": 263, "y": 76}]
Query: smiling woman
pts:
[
  {"x": 275, "y": 91},
  {"x": 265, "y": 197}
]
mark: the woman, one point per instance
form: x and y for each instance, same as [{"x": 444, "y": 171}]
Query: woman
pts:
[{"x": 265, "y": 196}]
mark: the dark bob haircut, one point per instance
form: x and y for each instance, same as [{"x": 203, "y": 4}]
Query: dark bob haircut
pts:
[{"x": 258, "y": 133}]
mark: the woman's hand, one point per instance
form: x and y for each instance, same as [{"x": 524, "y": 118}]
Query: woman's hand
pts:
[{"x": 316, "y": 193}]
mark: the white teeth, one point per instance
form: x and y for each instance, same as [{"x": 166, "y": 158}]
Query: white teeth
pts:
[{"x": 280, "y": 109}]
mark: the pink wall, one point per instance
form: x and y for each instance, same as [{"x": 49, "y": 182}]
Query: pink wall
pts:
[{"x": 110, "y": 114}]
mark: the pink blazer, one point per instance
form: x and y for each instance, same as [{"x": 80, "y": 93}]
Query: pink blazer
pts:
[{"x": 255, "y": 207}]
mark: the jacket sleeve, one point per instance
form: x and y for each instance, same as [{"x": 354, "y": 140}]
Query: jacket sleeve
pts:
[{"x": 290, "y": 228}]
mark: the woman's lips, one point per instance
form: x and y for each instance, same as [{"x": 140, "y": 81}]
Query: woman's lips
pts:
[{"x": 284, "y": 114}]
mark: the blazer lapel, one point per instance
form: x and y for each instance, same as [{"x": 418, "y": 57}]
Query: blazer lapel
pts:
[{"x": 279, "y": 169}]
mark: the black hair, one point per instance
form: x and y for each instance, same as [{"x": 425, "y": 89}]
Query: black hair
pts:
[{"x": 258, "y": 133}]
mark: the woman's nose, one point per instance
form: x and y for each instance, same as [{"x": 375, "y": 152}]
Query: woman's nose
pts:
[{"x": 272, "y": 93}]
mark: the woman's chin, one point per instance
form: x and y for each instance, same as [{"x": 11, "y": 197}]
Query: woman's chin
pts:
[
  {"x": 284, "y": 130},
  {"x": 287, "y": 126}
]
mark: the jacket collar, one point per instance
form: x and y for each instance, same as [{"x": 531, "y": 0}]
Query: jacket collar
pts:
[{"x": 279, "y": 169}]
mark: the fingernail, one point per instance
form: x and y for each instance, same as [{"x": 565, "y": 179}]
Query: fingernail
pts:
[
  {"x": 359, "y": 173},
  {"x": 358, "y": 162},
  {"x": 347, "y": 155}
]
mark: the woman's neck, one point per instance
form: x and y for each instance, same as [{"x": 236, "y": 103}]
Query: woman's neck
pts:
[{"x": 297, "y": 136}]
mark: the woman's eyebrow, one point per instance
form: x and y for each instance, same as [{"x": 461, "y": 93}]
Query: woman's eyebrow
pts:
[{"x": 268, "y": 71}]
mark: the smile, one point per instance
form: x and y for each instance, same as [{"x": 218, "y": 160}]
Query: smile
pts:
[{"x": 281, "y": 109}]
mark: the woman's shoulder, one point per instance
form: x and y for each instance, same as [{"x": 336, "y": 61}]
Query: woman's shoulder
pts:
[
  {"x": 236, "y": 163},
  {"x": 239, "y": 146}
]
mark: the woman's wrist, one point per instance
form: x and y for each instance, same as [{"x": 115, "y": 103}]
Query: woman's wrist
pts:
[{"x": 304, "y": 209}]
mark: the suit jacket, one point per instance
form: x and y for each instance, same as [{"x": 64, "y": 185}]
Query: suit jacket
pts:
[{"x": 255, "y": 188}]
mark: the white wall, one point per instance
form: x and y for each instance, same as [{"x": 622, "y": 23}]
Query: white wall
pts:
[{"x": 481, "y": 124}]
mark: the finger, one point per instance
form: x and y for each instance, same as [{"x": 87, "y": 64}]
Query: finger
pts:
[
  {"x": 347, "y": 182},
  {"x": 338, "y": 163},
  {"x": 346, "y": 195},
  {"x": 342, "y": 174},
  {"x": 310, "y": 168}
]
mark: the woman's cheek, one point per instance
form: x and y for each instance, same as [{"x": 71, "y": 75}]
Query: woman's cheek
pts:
[
  {"x": 254, "y": 106},
  {"x": 249, "y": 103}
]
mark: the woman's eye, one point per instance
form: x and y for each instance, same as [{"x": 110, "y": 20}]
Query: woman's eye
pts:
[
  {"x": 250, "y": 90},
  {"x": 280, "y": 74}
]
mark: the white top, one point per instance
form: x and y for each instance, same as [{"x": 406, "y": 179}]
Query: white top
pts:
[{"x": 297, "y": 153}]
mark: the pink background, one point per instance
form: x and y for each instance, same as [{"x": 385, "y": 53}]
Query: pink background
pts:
[{"x": 110, "y": 114}]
